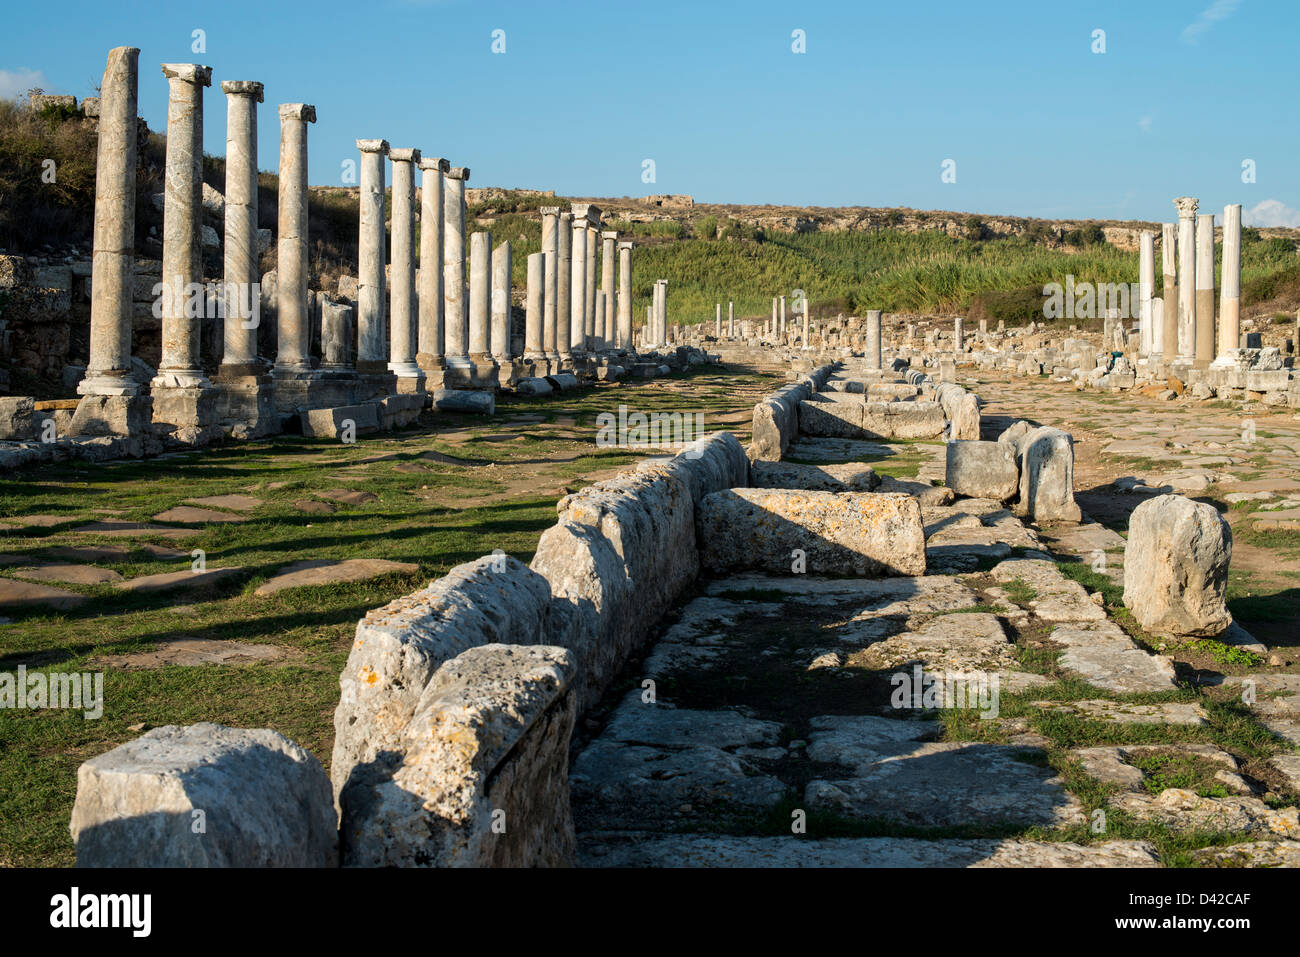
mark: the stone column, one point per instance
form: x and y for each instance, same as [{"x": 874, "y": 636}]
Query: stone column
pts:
[
  {"x": 717, "y": 321},
  {"x": 625, "y": 296},
  {"x": 480, "y": 306},
  {"x": 113, "y": 266},
  {"x": 782, "y": 300},
  {"x": 372, "y": 356},
  {"x": 182, "y": 263},
  {"x": 1146, "y": 282},
  {"x": 874, "y": 360},
  {"x": 404, "y": 328},
  {"x": 958, "y": 335},
  {"x": 775, "y": 320},
  {"x": 1168, "y": 265},
  {"x": 293, "y": 329},
  {"x": 1204, "y": 332},
  {"x": 534, "y": 314},
  {"x": 460, "y": 371},
  {"x": 589, "y": 273},
  {"x": 501, "y": 354},
  {"x": 807, "y": 344},
  {"x": 578, "y": 289},
  {"x": 241, "y": 303},
  {"x": 564, "y": 291},
  {"x": 731, "y": 319},
  {"x": 598, "y": 342},
  {"x": 1186, "y": 276},
  {"x": 431, "y": 355},
  {"x": 550, "y": 287},
  {"x": 609, "y": 241},
  {"x": 1230, "y": 295}
]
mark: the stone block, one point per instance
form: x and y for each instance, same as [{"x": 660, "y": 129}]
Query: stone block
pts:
[{"x": 1176, "y": 567}]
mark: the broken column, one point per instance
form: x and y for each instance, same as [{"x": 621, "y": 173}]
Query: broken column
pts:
[
  {"x": 625, "y": 296},
  {"x": 372, "y": 356},
  {"x": 403, "y": 329},
  {"x": 460, "y": 371},
  {"x": 244, "y": 397},
  {"x": 430, "y": 355},
  {"x": 1186, "y": 277},
  {"x": 501, "y": 352},
  {"x": 1204, "y": 333},
  {"x": 873, "y": 350},
  {"x": 112, "y": 401},
  {"x": 480, "y": 308},
  {"x": 550, "y": 289},
  {"x": 183, "y": 403},
  {"x": 533, "y": 314},
  {"x": 1146, "y": 280},
  {"x": 1230, "y": 295}
]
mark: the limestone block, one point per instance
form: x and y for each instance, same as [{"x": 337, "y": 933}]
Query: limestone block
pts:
[
  {"x": 465, "y": 400},
  {"x": 1176, "y": 567},
  {"x": 776, "y": 422},
  {"x": 851, "y": 477},
  {"x": 982, "y": 469},
  {"x": 484, "y": 777},
  {"x": 204, "y": 796},
  {"x": 849, "y": 533},
  {"x": 1047, "y": 476},
  {"x": 330, "y": 423},
  {"x": 16, "y": 418}
]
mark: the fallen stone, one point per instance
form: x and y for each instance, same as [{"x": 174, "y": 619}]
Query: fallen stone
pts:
[
  {"x": 982, "y": 470},
  {"x": 1176, "y": 567}
]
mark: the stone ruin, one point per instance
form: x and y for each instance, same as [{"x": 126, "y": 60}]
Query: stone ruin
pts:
[
  {"x": 459, "y": 702},
  {"x": 400, "y": 337}
]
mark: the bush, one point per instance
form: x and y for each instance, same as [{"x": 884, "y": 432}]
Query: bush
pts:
[
  {"x": 1090, "y": 235},
  {"x": 975, "y": 228},
  {"x": 707, "y": 228},
  {"x": 32, "y": 210}
]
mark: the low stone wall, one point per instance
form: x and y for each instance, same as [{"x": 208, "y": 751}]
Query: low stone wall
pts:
[
  {"x": 457, "y": 702},
  {"x": 776, "y": 416}
]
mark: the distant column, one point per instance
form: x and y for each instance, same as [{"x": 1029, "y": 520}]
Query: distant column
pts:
[
  {"x": 578, "y": 288},
  {"x": 480, "y": 300},
  {"x": 241, "y": 304},
  {"x": 182, "y": 217},
  {"x": 1169, "y": 312},
  {"x": 608, "y": 245},
  {"x": 534, "y": 309},
  {"x": 564, "y": 290},
  {"x": 1186, "y": 276},
  {"x": 1146, "y": 281},
  {"x": 589, "y": 295},
  {"x": 1204, "y": 289},
  {"x": 455, "y": 316},
  {"x": 717, "y": 321},
  {"x": 430, "y": 353},
  {"x": 404, "y": 328},
  {"x": 501, "y": 264},
  {"x": 731, "y": 319},
  {"x": 625, "y": 296},
  {"x": 293, "y": 329},
  {"x": 113, "y": 266},
  {"x": 775, "y": 319},
  {"x": 873, "y": 339},
  {"x": 371, "y": 352},
  {"x": 1230, "y": 297},
  {"x": 958, "y": 334},
  {"x": 782, "y": 316},
  {"x": 550, "y": 289}
]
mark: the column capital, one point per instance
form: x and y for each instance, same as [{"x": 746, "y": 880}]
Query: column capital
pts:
[
  {"x": 373, "y": 146},
  {"x": 404, "y": 154},
  {"x": 566, "y": 216},
  {"x": 189, "y": 72},
  {"x": 549, "y": 210},
  {"x": 459, "y": 172},
  {"x": 588, "y": 211},
  {"x": 434, "y": 162},
  {"x": 580, "y": 222},
  {"x": 1186, "y": 206},
  {"x": 609, "y": 235},
  {"x": 625, "y": 245},
  {"x": 242, "y": 88},
  {"x": 298, "y": 111}
]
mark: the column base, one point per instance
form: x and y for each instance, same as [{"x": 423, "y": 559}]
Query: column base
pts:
[
  {"x": 245, "y": 405},
  {"x": 485, "y": 370},
  {"x": 122, "y": 414},
  {"x": 112, "y": 382},
  {"x": 428, "y": 362},
  {"x": 185, "y": 415},
  {"x": 459, "y": 374},
  {"x": 179, "y": 379}
]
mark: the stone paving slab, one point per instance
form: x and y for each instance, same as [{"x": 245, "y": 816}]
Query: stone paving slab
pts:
[
  {"x": 189, "y": 515},
  {"x": 237, "y": 502},
  {"x": 16, "y": 594},
  {"x": 116, "y": 528},
  {"x": 1103, "y": 655},
  {"x": 69, "y": 574},
  {"x": 1182, "y": 810},
  {"x": 1115, "y": 712},
  {"x": 1251, "y": 854},
  {"x": 190, "y": 652},
  {"x": 181, "y": 579},
  {"x": 1058, "y": 599},
  {"x": 323, "y": 572},
  {"x": 633, "y": 849}
]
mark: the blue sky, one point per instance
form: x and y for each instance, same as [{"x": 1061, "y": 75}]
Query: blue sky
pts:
[{"x": 1036, "y": 122}]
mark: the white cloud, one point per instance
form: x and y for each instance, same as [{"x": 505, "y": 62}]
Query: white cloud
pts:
[
  {"x": 1144, "y": 124},
  {"x": 14, "y": 83},
  {"x": 1218, "y": 10},
  {"x": 1271, "y": 212}
]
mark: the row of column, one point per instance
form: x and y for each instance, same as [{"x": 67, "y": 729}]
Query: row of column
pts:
[{"x": 1180, "y": 325}]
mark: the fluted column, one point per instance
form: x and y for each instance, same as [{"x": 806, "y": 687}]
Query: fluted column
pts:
[
  {"x": 182, "y": 270},
  {"x": 1204, "y": 333},
  {"x": 404, "y": 330},
  {"x": 1230, "y": 296},
  {"x": 550, "y": 285},
  {"x": 293, "y": 329},
  {"x": 371, "y": 354},
  {"x": 1186, "y": 276},
  {"x": 455, "y": 314},
  {"x": 625, "y": 296},
  {"x": 1146, "y": 281},
  {"x": 534, "y": 309},
  {"x": 240, "y": 303},
  {"x": 430, "y": 353},
  {"x": 564, "y": 289},
  {"x": 113, "y": 264}
]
